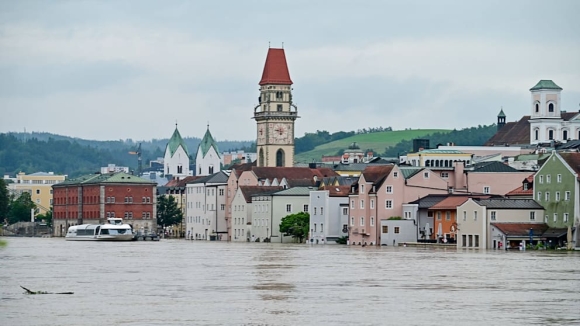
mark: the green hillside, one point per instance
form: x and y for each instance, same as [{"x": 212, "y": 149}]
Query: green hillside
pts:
[{"x": 377, "y": 141}]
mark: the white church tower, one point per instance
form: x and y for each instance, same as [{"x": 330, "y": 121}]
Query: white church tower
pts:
[
  {"x": 176, "y": 159},
  {"x": 546, "y": 118},
  {"x": 208, "y": 159}
]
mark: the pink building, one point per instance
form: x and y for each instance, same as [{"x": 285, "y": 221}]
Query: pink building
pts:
[{"x": 381, "y": 191}]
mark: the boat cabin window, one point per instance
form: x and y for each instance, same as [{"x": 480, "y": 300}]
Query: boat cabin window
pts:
[{"x": 85, "y": 232}]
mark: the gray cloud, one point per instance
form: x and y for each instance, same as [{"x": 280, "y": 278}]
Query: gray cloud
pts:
[{"x": 143, "y": 65}]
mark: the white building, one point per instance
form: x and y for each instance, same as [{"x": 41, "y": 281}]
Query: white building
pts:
[
  {"x": 176, "y": 159},
  {"x": 206, "y": 208},
  {"x": 328, "y": 214},
  {"x": 112, "y": 168},
  {"x": 241, "y": 216},
  {"x": 548, "y": 122},
  {"x": 208, "y": 159}
]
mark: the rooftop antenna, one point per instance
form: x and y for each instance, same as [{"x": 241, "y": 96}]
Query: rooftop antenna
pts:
[
  {"x": 208, "y": 125},
  {"x": 282, "y": 45}
]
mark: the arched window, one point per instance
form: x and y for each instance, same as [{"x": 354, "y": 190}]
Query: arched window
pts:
[
  {"x": 564, "y": 134},
  {"x": 536, "y": 134},
  {"x": 551, "y": 107},
  {"x": 537, "y": 107},
  {"x": 280, "y": 159},
  {"x": 551, "y": 134},
  {"x": 261, "y": 159}
]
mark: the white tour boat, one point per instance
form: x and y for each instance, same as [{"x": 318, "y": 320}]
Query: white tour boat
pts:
[{"x": 113, "y": 230}]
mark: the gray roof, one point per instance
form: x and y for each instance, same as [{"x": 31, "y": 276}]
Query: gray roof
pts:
[
  {"x": 491, "y": 167},
  {"x": 429, "y": 201},
  {"x": 98, "y": 178},
  {"x": 512, "y": 203},
  {"x": 295, "y": 191},
  {"x": 409, "y": 172},
  {"x": 219, "y": 177}
]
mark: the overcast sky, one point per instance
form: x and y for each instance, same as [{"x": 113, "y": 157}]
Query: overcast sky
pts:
[{"x": 111, "y": 70}]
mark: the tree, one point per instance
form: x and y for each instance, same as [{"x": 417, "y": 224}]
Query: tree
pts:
[
  {"x": 20, "y": 208},
  {"x": 46, "y": 217},
  {"x": 4, "y": 201},
  {"x": 167, "y": 211},
  {"x": 296, "y": 225}
]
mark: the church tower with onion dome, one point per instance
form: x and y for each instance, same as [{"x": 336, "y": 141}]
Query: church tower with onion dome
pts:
[{"x": 275, "y": 113}]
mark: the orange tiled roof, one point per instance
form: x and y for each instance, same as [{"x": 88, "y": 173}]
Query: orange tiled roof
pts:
[
  {"x": 338, "y": 191},
  {"x": 450, "y": 202},
  {"x": 374, "y": 173},
  {"x": 276, "y": 68},
  {"x": 512, "y": 133},
  {"x": 521, "y": 229},
  {"x": 241, "y": 167},
  {"x": 519, "y": 191}
]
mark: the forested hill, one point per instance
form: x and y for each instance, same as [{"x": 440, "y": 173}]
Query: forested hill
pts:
[
  {"x": 474, "y": 136},
  {"x": 34, "y": 152}
]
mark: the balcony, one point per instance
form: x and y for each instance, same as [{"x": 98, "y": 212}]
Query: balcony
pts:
[{"x": 263, "y": 115}]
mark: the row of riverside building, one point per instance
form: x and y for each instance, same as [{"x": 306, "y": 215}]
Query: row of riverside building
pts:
[
  {"x": 522, "y": 188},
  {"x": 480, "y": 205}
]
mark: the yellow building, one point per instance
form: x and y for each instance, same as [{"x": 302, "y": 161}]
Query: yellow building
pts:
[
  {"x": 38, "y": 185},
  {"x": 438, "y": 158}
]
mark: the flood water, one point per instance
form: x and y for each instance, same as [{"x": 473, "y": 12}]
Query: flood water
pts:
[{"x": 179, "y": 282}]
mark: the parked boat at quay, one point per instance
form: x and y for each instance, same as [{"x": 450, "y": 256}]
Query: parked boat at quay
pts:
[{"x": 113, "y": 230}]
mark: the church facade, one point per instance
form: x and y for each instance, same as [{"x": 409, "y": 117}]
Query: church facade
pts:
[
  {"x": 176, "y": 158},
  {"x": 547, "y": 121},
  {"x": 208, "y": 159}
]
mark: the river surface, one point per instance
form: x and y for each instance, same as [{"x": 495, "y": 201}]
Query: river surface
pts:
[{"x": 179, "y": 282}]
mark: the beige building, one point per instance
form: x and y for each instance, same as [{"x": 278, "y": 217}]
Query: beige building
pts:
[
  {"x": 269, "y": 210},
  {"x": 38, "y": 185},
  {"x": 478, "y": 218}
]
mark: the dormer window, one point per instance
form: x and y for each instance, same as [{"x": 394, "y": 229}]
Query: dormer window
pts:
[
  {"x": 362, "y": 189},
  {"x": 525, "y": 186}
]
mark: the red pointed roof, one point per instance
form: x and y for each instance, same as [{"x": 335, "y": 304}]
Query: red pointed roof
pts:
[{"x": 276, "y": 68}]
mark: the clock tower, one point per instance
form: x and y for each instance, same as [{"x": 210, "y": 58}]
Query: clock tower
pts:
[{"x": 275, "y": 113}]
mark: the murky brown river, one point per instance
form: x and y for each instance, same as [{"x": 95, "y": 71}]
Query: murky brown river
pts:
[{"x": 178, "y": 282}]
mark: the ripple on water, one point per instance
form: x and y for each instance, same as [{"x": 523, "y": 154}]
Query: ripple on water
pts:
[{"x": 175, "y": 282}]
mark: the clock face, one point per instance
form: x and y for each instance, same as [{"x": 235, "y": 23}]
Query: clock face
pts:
[
  {"x": 261, "y": 135},
  {"x": 280, "y": 133}
]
